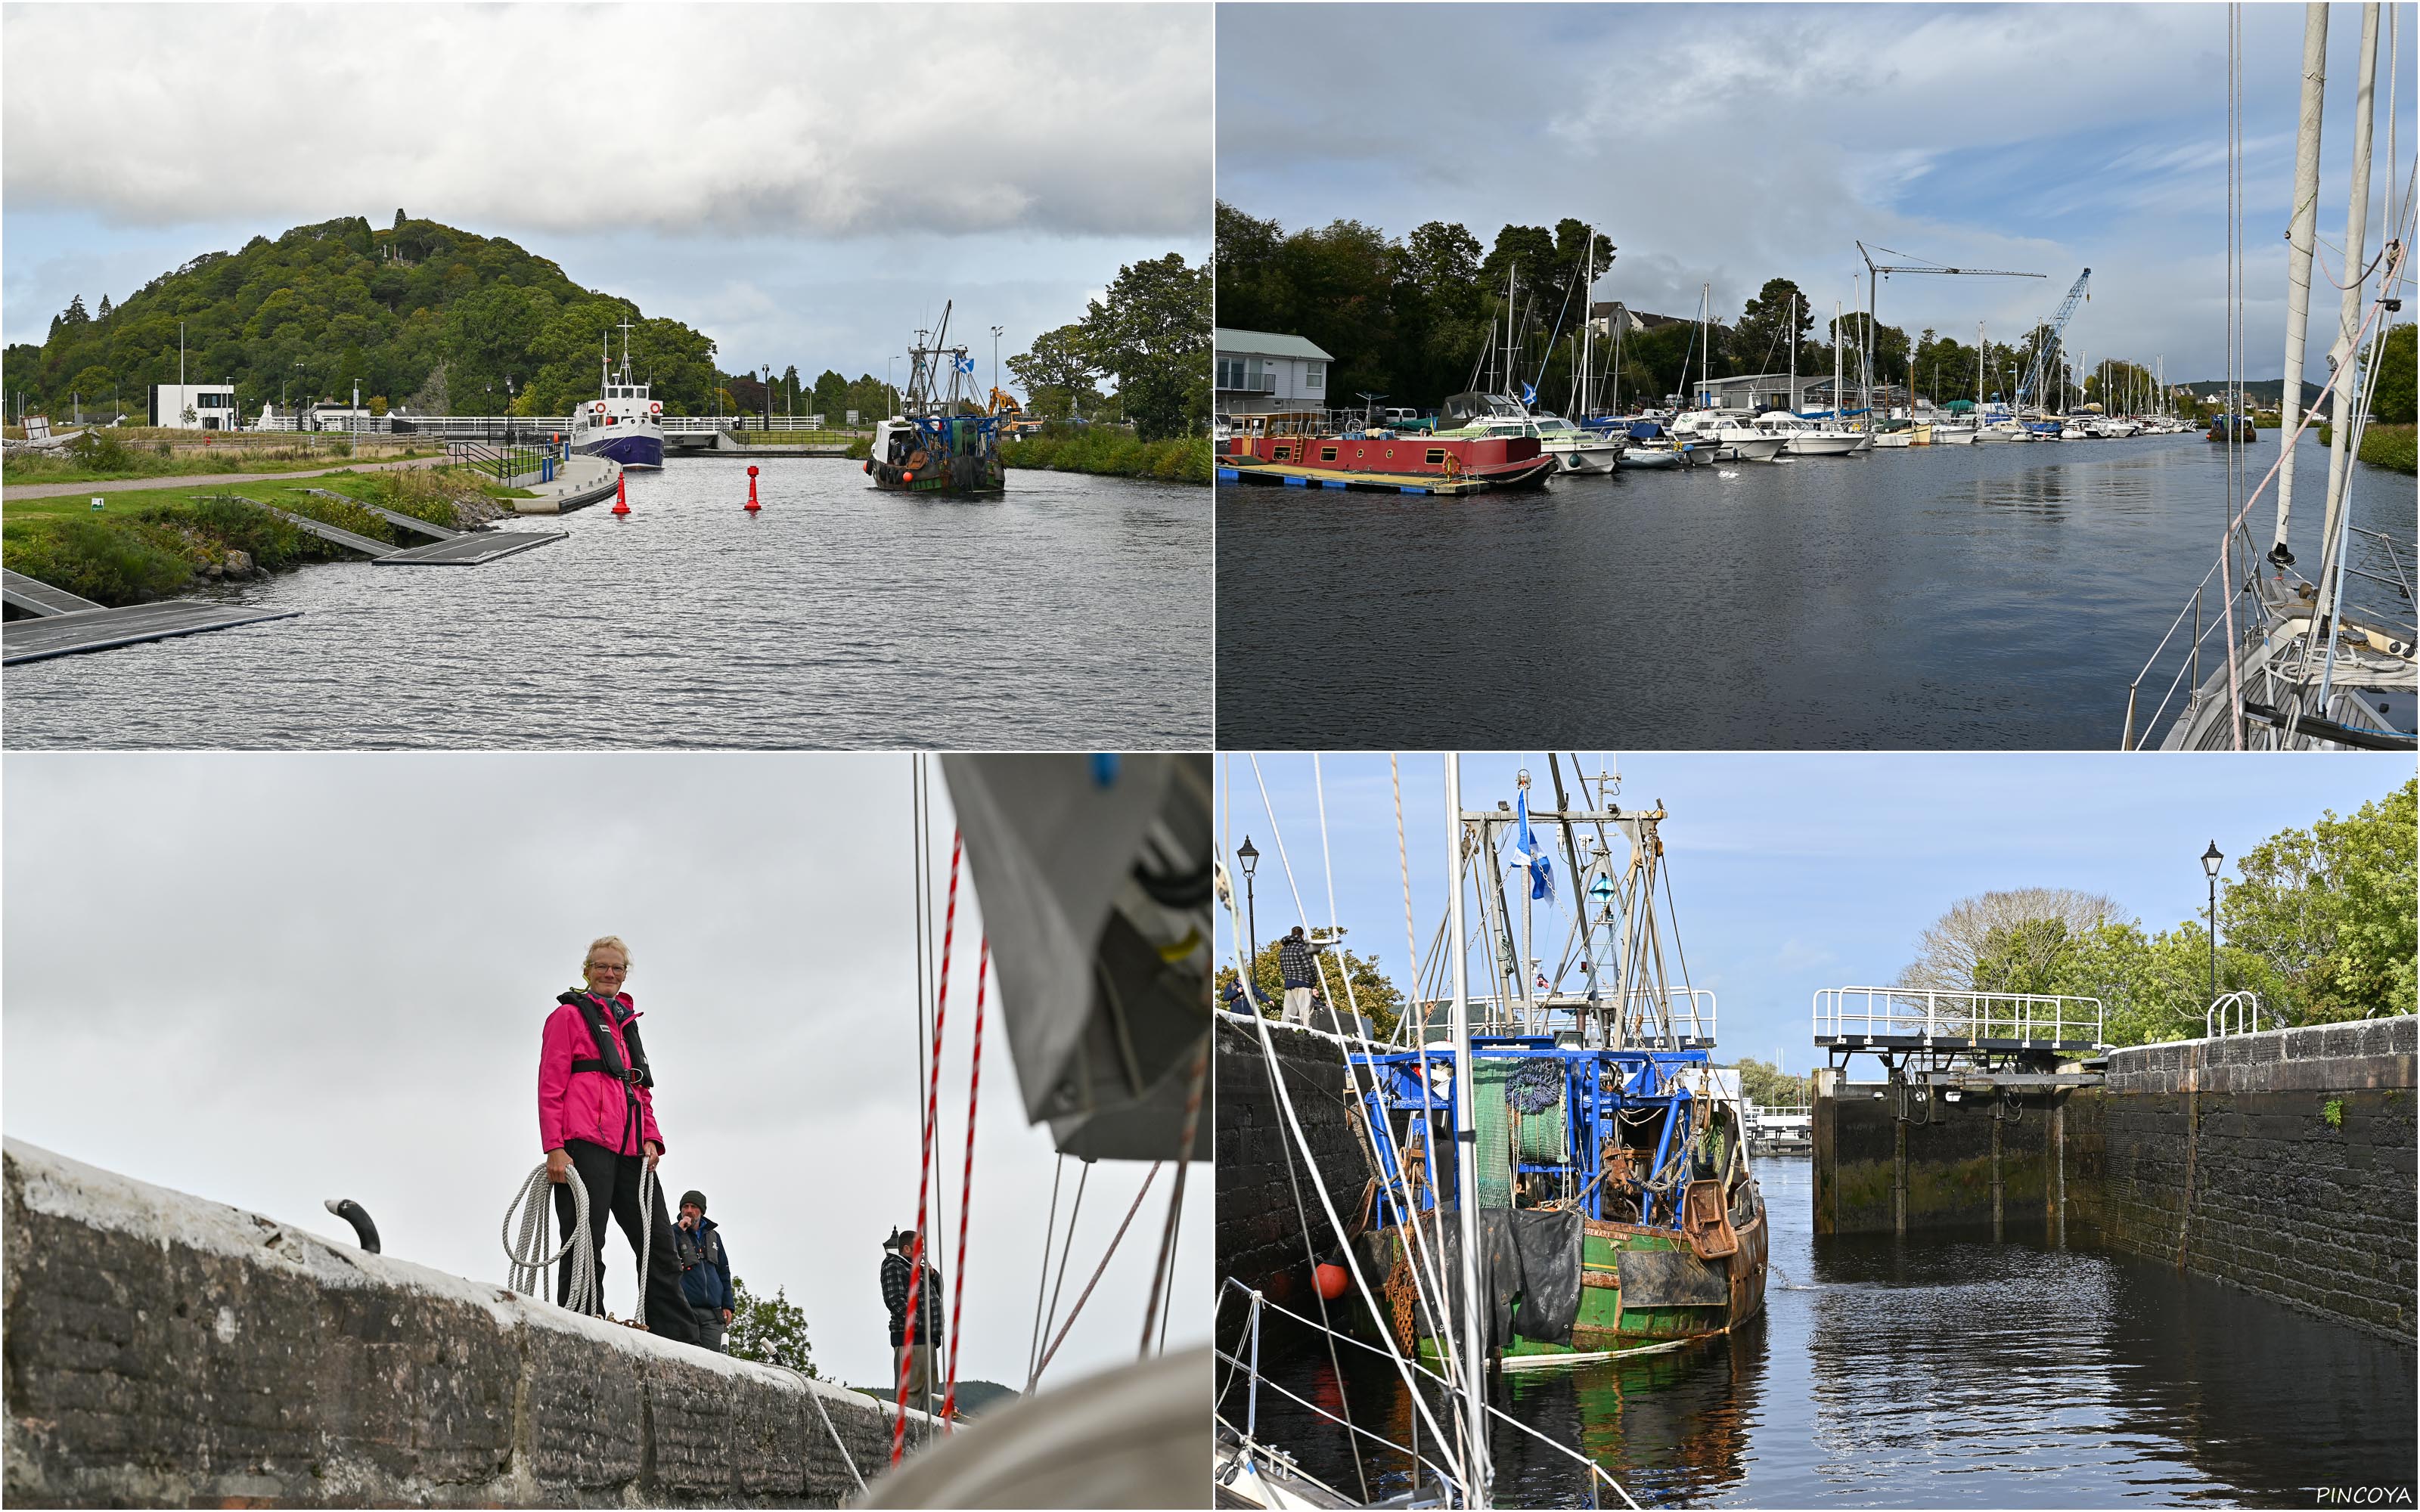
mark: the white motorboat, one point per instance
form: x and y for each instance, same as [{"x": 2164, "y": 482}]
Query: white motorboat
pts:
[
  {"x": 1723, "y": 436},
  {"x": 1804, "y": 438}
]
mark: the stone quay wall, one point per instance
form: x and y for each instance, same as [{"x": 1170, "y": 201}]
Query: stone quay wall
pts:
[
  {"x": 162, "y": 1349},
  {"x": 2282, "y": 1162},
  {"x": 1260, "y": 1232}
]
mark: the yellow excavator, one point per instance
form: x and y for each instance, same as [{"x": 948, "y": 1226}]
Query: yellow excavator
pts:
[{"x": 1016, "y": 422}]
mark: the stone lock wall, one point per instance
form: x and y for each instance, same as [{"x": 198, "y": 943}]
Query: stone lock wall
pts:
[
  {"x": 164, "y": 1350},
  {"x": 2282, "y": 1162},
  {"x": 1259, "y": 1233}
]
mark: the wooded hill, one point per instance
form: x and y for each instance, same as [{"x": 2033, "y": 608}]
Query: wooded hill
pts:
[{"x": 419, "y": 313}]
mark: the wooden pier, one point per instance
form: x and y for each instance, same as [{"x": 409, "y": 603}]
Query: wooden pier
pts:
[
  {"x": 98, "y": 629},
  {"x": 39, "y": 598},
  {"x": 452, "y": 548},
  {"x": 468, "y": 550}
]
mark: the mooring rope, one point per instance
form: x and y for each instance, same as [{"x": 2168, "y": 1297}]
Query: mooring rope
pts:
[
  {"x": 529, "y": 1268},
  {"x": 967, "y": 1183},
  {"x": 924, "y": 1167}
]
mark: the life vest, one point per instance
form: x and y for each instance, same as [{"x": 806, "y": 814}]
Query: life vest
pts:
[{"x": 608, "y": 1060}]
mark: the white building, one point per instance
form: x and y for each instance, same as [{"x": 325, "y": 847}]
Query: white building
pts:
[
  {"x": 194, "y": 406},
  {"x": 1260, "y": 373}
]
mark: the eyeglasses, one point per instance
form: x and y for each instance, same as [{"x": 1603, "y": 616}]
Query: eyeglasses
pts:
[{"x": 597, "y": 967}]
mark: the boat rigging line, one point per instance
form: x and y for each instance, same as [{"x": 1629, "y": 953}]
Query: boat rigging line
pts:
[
  {"x": 966, "y": 1190},
  {"x": 924, "y": 1169}
]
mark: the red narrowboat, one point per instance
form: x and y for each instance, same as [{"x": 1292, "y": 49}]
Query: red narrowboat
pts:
[{"x": 1397, "y": 464}]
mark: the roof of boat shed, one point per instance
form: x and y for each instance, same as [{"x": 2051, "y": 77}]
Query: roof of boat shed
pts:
[{"x": 1268, "y": 344}]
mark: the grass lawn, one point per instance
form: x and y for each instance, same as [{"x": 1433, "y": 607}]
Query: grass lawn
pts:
[{"x": 156, "y": 543}]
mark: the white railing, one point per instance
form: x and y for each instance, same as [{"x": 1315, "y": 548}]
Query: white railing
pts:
[
  {"x": 1848, "y": 1015},
  {"x": 1686, "y": 1016},
  {"x": 2233, "y": 1014}
]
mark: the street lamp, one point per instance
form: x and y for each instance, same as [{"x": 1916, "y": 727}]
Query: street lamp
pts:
[
  {"x": 995, "y": 330},
  {"x": 1249, "y": 858},
  {"x": 2210, "y": 863}
]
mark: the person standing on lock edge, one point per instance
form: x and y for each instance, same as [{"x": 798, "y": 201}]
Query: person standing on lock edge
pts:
[
  {"x": 706, "y": 1269},
  {"x": 1301, "y": 973},
  {"x": 596, "y": 1122}
]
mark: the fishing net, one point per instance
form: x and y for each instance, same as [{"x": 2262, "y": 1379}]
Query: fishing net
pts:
[
  {"x": 1535, "y": 1092},
  {"x": 1491, "y": 1120}
]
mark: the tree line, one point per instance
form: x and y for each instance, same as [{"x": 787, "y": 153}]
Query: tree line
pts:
[
  {"x": 443, "y": 321},
  {"x": 2318, "y": 922},
  {"x": 1417, "y": 318},
  {"x": 1151, "y": 334}
]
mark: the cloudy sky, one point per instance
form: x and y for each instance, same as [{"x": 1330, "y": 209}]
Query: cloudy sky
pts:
[
  {"x": 271, "y": 980},
  {"x": 1795, "y": 872},
  {"x": 780, "y": 176},
  {"x": 1733, "y": 144}
]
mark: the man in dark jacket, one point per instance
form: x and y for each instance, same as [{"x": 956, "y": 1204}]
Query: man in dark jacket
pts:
[
  {"x": 916, "y": 1366},
  {"x": 706, "y": 1269}
]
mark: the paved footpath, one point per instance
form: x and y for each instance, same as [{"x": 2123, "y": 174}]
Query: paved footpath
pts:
[{"x": 111, "y": 486}]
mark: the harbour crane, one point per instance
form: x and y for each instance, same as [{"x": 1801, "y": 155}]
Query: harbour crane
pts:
[
  {"x": 2049, "y": 346},
  {"x": 1875, "y": 271}
]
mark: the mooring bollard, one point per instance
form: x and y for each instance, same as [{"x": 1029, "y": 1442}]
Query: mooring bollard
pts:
[{"x": 753, "y": 505}]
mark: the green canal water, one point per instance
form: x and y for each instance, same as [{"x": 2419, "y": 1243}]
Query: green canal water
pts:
[{"x": 1935, "y": 1371}]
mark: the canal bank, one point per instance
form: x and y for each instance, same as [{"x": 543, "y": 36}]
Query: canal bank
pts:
[{"x": 2281, "y": 1162}]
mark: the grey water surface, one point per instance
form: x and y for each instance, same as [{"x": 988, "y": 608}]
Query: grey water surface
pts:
[
  {"x": 1982, "y": 597},
  {"x": 1073, "y": 612},
  {"x": 1938, "y": 1370}
]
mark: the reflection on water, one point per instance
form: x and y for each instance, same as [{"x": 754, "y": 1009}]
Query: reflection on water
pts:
[
  {"x": 1995, "y": 597},
  {"x": 1073, "y": 612},
  {"x": 1939, "y": 1371}
]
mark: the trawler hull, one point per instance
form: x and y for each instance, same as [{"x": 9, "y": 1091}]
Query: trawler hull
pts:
[{"x": 1640, "y": 1289}]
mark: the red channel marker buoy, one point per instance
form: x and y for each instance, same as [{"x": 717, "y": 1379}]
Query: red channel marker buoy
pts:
[
  {"x": 753, "y": 505},
  {"x": 621, "y": 496}
]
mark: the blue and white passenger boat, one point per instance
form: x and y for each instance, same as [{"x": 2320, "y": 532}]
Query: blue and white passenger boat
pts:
[{"x": 622, "y": 423}]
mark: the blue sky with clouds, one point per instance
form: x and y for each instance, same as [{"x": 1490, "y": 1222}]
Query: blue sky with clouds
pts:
[
  {"x": 767, "y": 173},
  {"x": 1793, "y": 872},
  {"x": 1732, "y": 144}
]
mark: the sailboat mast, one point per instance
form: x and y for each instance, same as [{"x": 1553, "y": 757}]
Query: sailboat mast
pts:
[
  {"x": 1466, "y": 1156},
  {"x": 1837, "y": 424},
  {"x": 1587, "y": 323},
  {"x": 2349, "y": 318},
  {"x": 2302, "y": 234},
  {"x": 1793, "y": 334}
]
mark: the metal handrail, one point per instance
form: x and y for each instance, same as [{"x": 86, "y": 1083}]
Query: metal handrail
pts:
[
  {"x": 2236, "y": 1012},
  {"x": 1691, "y": 1012},
  {"x": 1910, "y": 1012}
]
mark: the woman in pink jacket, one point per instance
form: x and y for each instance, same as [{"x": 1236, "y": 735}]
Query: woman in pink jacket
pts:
[{"x": 597, "y": 1123}]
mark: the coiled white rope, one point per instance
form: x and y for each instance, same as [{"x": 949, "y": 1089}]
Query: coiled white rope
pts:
[{"x": 530, "y": 1268}]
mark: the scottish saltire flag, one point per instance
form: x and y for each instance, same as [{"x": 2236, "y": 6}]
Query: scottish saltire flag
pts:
[
  {"x": 1529, "y": 393},
  {"x": 965, "y": 364},
  {"x": 1542, "y": 871}
]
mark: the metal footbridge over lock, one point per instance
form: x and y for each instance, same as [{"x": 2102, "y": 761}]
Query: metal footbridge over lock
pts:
[{"x": 1972, "y": 1041}]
